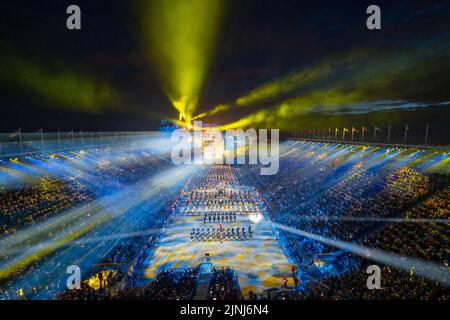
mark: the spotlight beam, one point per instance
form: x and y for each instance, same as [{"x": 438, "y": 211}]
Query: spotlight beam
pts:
[
  {"x": 428, "y": 270},
  {"x": 75, "y": 223},
  {"x": 373, "y": 219}
]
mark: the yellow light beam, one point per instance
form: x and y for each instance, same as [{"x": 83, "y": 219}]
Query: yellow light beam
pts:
[
  {"x": 213, "y": 111},
  {"x": 275, "y": 88},
  {"x": 181, "y": 38}
]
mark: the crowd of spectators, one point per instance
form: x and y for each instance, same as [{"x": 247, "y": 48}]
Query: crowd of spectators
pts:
[
  {"x": 173, "y": 285},
  {"x": 341, "y": 194},
  {"x": 422, "y": 239},
  {"x": 278, "y": 295},
  {"x": 328, "y": 195},
  {"x": 56, "y": 195},
  {"x": 39, "y": 200},
  {"x": 224, "y": 285},
  {"x": 168, "y": 285}
]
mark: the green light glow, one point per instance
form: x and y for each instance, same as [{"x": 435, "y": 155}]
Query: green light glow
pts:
[
  {"x": 181, "y": 38},
  {"x": 63, "y": 88},
  {"x": 291, "y": 82}
]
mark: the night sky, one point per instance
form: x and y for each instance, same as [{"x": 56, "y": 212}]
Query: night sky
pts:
[{"x": 276, "y": 64}]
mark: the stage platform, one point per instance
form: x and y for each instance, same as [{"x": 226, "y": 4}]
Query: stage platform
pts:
[{"x": 260, "y": 262}]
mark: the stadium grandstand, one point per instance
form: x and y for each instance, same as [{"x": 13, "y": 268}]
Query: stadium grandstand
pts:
[
  {"x": 139, "y": 227},
  {"x": 220, "y": 158}
]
